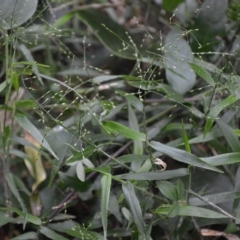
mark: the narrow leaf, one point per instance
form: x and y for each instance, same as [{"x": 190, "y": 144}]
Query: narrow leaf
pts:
[
  {"x": 106, "y": 187},
  {"x": 223, "y": 159},
  {"x": 168, "y": 190},
  {"x": 51, "y": 234},
  {"x": 150, "y": 176},
  {"x": 127, "y": 132},
  {"x": 182, "y": 156},
  {"x": 12, "y": 186},
  {"x": 28, "y": 126},
  {"x": 135, "y": 208},
  {"x": 26, "y": 236},
  {"x": 203, "y": 73},
  {"x": 229, "y": 135},
  {"x": 191, "y": 211},
  {"x": 185, "y": 138},
  {"x": 214, "y": 112},
  {"x": 214, "y": 198}
]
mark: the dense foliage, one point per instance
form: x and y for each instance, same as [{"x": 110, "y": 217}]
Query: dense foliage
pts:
[{"x": 119, "y": 119}]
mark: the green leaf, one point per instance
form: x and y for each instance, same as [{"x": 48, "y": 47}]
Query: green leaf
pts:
[
  {"x": 112, "y": 35},
  {"x": 174, "y": 210},
  {"x": 29, "y": 217},
  {"x": 87, "y": 152},
  {"x": 214, "y": 198},
  {"x": 13, "y": 188},
  {"x": 130, "y": 158},
  {"x": 105, "y": 78},
  {"x": 51, "y": 234},
  {"x": 133, "y": 124},
  {"x": 223, "y": 159},
  {"x": 150, "y": 176},
  {"x": 171, "y": 5},
  {"x": 185, "y": 138},
  {"x": 80, "y": 171},
  {"x": 15, "y": 13},
  {"x": 127, "y": 132},
  {"x": 26, "y": 236},
  {"x": 210, "y": 22},
  {"x": 82, "y": 233},
  {"x": 62, "y": 20},
  {"x": 106, "y": 187},
  {"x": 229, "y": 135},
  {"x": 168, "y": 189},
  {"x": 217, "y": 109},
  {"x": 26, "y": 103},
  {"x": 28, "y": 126},
  {"x": 135, "y": 208},
  {"x": 191, "y": 211},
  {"x": 182, "y": 156},
  {"x": 203, "y": 73},
  {"x": 180, "y": 189},
  {"x": 28, "y": 55},
  {"x": 178, "y": 54}
]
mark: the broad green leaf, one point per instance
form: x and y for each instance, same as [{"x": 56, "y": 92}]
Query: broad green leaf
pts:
[
  {"x": 111, "y": 34},
  {"x": 191, "y": 211},
  {"x": 214, "y": 198},
  {"x": 217, "y": 109},
  {"x": 203, "y": 73},
  {"x": 127, "y": 132},
  {"x": 29, "y": 217},
  {"x": 182, "y": 156},
  {"x": 168, "y": 189},
  {"x": 51, "y": 234},
  {"x": 26, "y": 236},
  {"x": 223, "y": 159},
  {"x": 178, "y": 54},
  {"x": 210, "y": 22},
  {"x": 229, "y": 135},
  {"x": 14, "y": 190},
  {"x": 106, "y": 187},
  {"x": 29, "y": 127},
  {"x": 171, "y": 5},
  {"x": 150, "y": 176},
  {"x": 15, "y": 12},
  {"x": 135, "y": 208}
]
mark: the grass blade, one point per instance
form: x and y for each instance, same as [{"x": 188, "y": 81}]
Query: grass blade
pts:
[
  {"x": 135, "y": 208},
  {"x": 106, "y": 182},
  {"x": 182, "y": 156}
]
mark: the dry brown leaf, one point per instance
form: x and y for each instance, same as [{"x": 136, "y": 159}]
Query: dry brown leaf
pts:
[{"x": 210, "y": 232}]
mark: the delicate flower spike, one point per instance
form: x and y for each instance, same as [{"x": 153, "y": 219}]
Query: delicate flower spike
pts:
[{"x": 160, "y": 163}]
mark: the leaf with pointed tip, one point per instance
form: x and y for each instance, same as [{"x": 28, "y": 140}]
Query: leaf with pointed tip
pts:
[{"x": 182, "y": 156}]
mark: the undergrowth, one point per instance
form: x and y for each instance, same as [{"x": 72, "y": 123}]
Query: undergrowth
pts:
[{"x": 119, "y": 121}]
